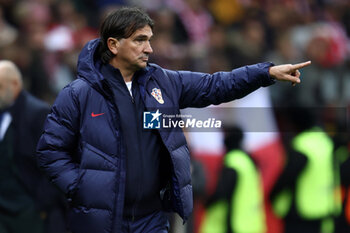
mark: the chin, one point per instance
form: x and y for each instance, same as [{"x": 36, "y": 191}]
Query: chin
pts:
[{"x": 143, "y": 65}]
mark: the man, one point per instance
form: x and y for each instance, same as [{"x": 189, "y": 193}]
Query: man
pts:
[
  {"x": 117, "y": 176},
  {"x": 237, "y": 203},
  {"x": 305, "y": 195},
  {"x": 27, "y": 198},
  {"x": 342, "y": 222}
]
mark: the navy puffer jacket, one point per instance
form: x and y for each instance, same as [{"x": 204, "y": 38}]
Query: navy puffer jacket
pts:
[{"x": 85, "y": 156}]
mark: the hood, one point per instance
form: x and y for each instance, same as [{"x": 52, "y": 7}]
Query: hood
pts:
[{"x": 87, "y": 67}]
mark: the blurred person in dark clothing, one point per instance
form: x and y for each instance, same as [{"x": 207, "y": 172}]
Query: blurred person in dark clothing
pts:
[
  {"x": 342, "y": 153},
  {"x": 237, "y": 203},
  {"x": 305, "y": 194},
  {"x": 247, "y": 45},
  {"x": 27, "y": 200},
  {"x": 199, "y": 181}
]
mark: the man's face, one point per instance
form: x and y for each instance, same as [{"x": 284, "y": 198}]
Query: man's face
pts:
[
  {"x": 133, "y": 52},
  {"x": 6, "y": 92}
]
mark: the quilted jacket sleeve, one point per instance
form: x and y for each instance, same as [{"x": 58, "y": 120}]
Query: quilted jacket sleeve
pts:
[
  {"x": 200, "y": 89},
  {"x": 58, "y": 144}
]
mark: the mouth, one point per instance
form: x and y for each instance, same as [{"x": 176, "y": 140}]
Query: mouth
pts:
[{"x": 144, "y": 58}]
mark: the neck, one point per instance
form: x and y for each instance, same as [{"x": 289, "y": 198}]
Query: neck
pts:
[{"x": 127, "y": 74}]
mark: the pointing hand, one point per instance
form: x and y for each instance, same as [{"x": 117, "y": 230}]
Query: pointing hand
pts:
[{"x": 288, "y": 72}]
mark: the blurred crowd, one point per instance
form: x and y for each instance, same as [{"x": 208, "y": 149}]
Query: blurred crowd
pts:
[{"x": 44, "y": 38}]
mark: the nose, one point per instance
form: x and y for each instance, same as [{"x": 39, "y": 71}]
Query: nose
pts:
[{"x": 148, "y": 49}]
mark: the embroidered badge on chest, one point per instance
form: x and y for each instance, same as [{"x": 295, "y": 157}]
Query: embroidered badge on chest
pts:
[{"x": 157, "y": 94}]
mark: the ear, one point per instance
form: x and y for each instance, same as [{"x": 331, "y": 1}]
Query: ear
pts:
[
  {"x": 113, "y": 45},
  {"x": 17, "y": 84},
  {"x": 16, "y": 87}
]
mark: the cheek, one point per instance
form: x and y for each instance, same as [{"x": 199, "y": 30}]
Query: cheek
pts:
[
  {"x": 8, "y": 94},
  {"x": 2, "y": 93},
  {"x": 131, "y": 53},
  {"x": 137, "y": 52}
]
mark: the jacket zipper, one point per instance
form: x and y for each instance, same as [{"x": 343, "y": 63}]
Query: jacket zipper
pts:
[
  {"x": 120, "y": 152},
  {"x": 138, "y": 186}
]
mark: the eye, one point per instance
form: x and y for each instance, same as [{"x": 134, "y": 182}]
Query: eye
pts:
[{"x": 141, "y": 39}]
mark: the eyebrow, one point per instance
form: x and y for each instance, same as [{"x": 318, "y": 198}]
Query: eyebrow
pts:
[{"x": 143, "y": 37}]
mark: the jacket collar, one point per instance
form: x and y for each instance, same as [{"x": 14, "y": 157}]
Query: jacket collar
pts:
[{"x": 17, "y": 107}]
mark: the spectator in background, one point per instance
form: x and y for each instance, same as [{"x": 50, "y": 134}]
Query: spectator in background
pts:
[
  {"x": 327, "y": 45},
  {"x": 197, "y": 21},
  {"x": 219, "y": 52},
  {"x": 29, "y": 54},
  {"x": 226, "y": 12},
  {"x": 8, "y": 34},
  {"x": 170, "y": 40},
  {"x": 247, "y": 44},
  {"x": 304, "y": 195},
  {"x": 342, "y": 153},
  {"x": 343, "y": 222},
  {"x": 28, "y": 201},
  {"x": 237, "y": 203}
]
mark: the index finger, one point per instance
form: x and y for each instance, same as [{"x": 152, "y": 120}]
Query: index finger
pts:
[{"x": 301, "y": 65}]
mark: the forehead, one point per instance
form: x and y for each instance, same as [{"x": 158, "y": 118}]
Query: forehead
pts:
[
  {"x": 145, "y": 31},
  {"x": 5, "y": 75}
]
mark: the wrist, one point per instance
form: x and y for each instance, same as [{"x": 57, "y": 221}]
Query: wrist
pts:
[{"x": 272, "y": 72}]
